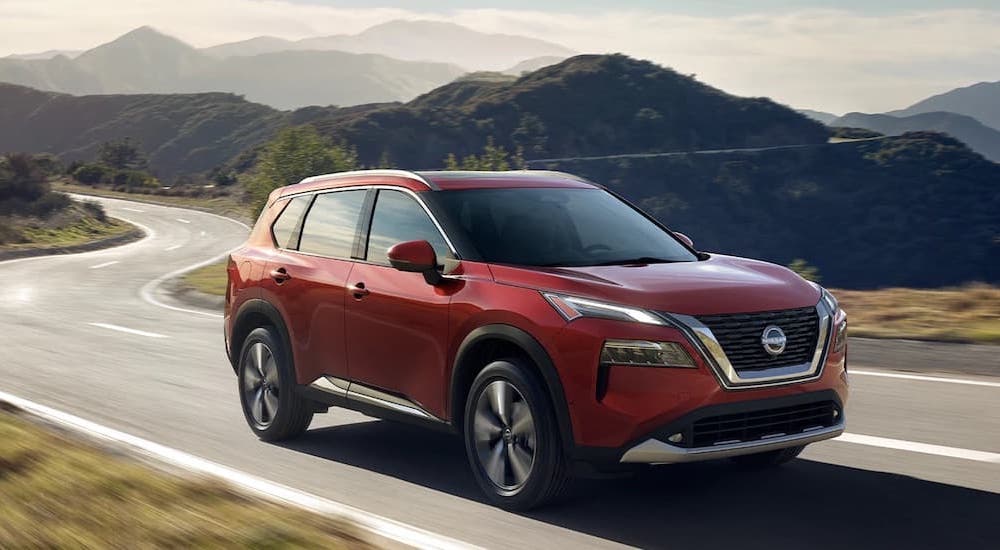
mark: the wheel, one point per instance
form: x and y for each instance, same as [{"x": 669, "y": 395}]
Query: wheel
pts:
[
  {"x": 512, "y": 438},
  {"x": 769, "y": 458},
  {"x": 266, "y": 382}
]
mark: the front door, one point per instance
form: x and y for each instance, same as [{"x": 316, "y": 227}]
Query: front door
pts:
[{"x": 397, "y": 324}]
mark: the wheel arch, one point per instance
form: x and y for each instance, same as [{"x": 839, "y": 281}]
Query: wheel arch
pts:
[
  {"x": 256, "y": 313},
  {"x": 501, "y": 337}
]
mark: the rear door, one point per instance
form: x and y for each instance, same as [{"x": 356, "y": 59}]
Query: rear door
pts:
[
  {"x": 397, "y": 324},
  {"x": 308, "y": 280}
]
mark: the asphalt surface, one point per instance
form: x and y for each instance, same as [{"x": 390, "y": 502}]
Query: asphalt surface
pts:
[{"x": 80, "y": 334}]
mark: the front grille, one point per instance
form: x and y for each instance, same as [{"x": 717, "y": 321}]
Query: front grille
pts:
[
  {"x": 756, "y": 425},
  {"x": 740, "y": 334}
]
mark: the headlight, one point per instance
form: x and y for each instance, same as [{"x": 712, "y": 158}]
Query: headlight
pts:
[
  {"x": 641, "y": 353},
  {"x": 572, "y": 307}
]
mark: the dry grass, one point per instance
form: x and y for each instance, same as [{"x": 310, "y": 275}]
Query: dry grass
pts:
[
  {"x": 227, "y": 205},
  {"x": 211, "y": 279},
  {"x": 73, "y": 226},
  {"x": 966, "y": 314},
  {"x": 60, "y": 493}
]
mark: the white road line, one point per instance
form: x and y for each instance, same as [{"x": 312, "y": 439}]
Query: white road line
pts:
[
  {"x": 172, "y": 248},
  {"x": 377, "y": 525},
  {"x": 132, "y": 209},
  {"x": 105, "y": 264},
  {"x": 128, "y": 330},
  {"x": 182, "y": 220},
  {"x": 925, "y": 448},
  {"x": 146, "y": 292},
  {"x": 966, "y": 381}
]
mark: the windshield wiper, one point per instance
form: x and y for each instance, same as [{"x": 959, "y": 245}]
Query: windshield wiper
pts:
[{"x": 639, "y": 260}]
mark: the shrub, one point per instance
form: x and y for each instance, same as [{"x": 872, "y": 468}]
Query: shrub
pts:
[{"x": 91, "y": 173}]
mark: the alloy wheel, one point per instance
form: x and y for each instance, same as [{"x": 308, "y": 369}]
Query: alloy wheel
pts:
[
  {"x": 261, "y": 388},
  {"x": 504, "y": 432}
]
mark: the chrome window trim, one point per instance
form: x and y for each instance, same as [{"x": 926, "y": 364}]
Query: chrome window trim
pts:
[
  {"x": 409, "y": 192},
  {"x": 711, "y": 350}
]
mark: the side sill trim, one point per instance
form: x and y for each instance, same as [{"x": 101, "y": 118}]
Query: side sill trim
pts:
[
  {"x": 356, "y": 392},
  {"x": 654, "y": 451}
]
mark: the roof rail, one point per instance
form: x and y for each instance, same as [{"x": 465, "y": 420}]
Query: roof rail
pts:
[{"x": 400, "y": 173}]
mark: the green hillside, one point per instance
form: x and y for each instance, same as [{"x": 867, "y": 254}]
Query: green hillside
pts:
[
  {"x": 586, "y": 105},
  {"x": 916, "y": 210},
  {"x": 180, "y": 133}
]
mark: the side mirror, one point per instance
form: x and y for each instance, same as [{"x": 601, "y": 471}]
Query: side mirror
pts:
[
  {"x": 684, "y": 238},
  {"x": 416, "y": 257}
]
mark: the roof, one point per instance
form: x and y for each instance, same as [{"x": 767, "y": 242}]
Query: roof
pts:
[{"x": 439, "y": 180}]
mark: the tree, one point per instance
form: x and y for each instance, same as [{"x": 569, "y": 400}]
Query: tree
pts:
[
  {"x": 806, "y": 271},
  {"x": 123, "y": 154},
  {"x": 296, "y": 153},
  {"x": 493, "y": 158}
]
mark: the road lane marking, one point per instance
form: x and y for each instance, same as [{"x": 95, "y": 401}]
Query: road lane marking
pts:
[
  {"x": 915, "y": 447},
  {"x": 172, "y": 248},
  {"x": 132, "y": 209},
  {"x": 105, "y": 264},
  {"x": 182, "y": 220},
  {"x": 966, "y": 381},
  {"x": 127, "y": 330},
  {"x": 375, "y": 524}
]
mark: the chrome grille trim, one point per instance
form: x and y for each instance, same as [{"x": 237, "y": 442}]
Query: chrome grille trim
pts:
[{"x": 711, "y": 350}]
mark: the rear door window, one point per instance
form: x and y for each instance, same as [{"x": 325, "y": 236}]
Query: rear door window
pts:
[{"x": 332, "y": 223}]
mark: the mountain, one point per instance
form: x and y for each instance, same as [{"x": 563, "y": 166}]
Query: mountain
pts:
[
  {"x": 533, "y": 64},
  {"x": 414, "y": 41},
  {"x": 980, "y": 101},
  {"x": 587, "y": 105},
  {"x": 48, "y": 54},
  {"x": 824, "y": 117},
  {"x": 979, "y": 137},
  {"x": 180, "y": 133},
  {"x": 253, "y": 46},
  {"x": 146, "y": 61}
]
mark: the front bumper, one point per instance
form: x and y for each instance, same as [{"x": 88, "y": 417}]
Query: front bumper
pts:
[
  {"x": 654, "y": 451},
  {"x": 731, "y": 429}
]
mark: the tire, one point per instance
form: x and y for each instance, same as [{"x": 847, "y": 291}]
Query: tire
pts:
[
  {"x": 266, "y": 381},
  {"x": 768, "y": 459},
  {"x": 512, "y": 439}
]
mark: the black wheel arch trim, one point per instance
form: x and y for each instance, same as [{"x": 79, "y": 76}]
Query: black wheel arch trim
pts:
[
  {"x": 535, "y": 351},
  {"x": 261, "y": 307}
]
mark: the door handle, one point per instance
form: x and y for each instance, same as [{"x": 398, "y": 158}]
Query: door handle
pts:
[
  {"x": 280, "y": 275},
  {"x": 359, "y": 291}
]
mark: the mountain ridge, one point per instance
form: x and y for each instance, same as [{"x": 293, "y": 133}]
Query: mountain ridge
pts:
[{"x": 147, "y": 61}]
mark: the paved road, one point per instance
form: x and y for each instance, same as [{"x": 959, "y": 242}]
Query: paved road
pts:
[{"x": 80, "y": 335}]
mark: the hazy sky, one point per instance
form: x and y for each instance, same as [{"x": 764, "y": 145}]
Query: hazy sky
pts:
[{"x": 850, "y": 55}]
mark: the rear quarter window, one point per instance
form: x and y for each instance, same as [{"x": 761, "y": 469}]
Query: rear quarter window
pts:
[{"x": 287, "y": 228}]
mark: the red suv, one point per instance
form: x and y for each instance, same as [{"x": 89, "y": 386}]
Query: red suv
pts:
[{"x": 546, "y": 320}]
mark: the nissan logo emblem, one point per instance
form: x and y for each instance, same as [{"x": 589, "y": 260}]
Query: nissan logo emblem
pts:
[{"x": 773, "y": 339}]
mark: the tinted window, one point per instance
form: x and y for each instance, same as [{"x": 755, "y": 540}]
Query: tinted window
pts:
[
  {"x": 331, "y": 224},
  {"x": 399, "y": 218},
  {"x": 286, "y": 228},
  {"x": 558, "y": 227}
]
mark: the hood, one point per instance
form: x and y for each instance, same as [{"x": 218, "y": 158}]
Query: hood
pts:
[{"x": 720, "y": 284}]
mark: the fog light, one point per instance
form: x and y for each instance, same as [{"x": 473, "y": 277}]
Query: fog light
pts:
[
  {"x": 676, "y": 438},
  {"x": 642, "y": 353}
]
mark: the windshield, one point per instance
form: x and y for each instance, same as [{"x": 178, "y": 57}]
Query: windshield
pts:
[{"x": 558, "y": 227}]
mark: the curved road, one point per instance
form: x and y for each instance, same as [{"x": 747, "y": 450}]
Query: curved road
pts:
[{"x": 920, "y": 468}]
